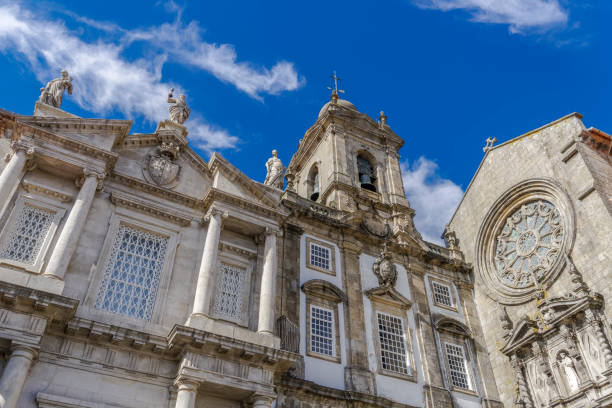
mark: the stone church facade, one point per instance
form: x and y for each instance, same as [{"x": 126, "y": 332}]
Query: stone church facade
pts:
[
  {"x": 135, "y": 274},
  {"x": 536, "y": 223}
]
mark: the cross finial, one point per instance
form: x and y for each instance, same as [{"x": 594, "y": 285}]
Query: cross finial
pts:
[
  {"x": 335, "y": 89},
  {"x": 489, "y": 144}
]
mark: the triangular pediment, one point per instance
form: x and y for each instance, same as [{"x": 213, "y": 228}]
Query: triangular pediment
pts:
[
  {"x": 388, "y": 295},
  {"x": 524, "y": 329}
]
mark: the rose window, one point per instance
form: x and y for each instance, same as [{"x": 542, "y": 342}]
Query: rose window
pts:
[{"x": 528, "y": 244}]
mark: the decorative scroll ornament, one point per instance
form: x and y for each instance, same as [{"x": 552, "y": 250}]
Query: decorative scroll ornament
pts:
[
  {"x": 161, "y": 165},
  {"x": 528, "y": 244},
  {"x": 384, "y": 269}
]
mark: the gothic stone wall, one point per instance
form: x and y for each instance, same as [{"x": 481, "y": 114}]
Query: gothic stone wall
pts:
[{"x": 536, "y": 155}]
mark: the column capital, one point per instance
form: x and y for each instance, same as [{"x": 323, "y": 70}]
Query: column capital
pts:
[
  {"x": 87, "y": 173},
  {"x": 18, "y": 145},
  {"x": 214, "y": 212},
  {"x": 24, "y": 350},
  {"x": 186, "y": 384},
  {"x": 351, "y": 245},
  {"x": 262, "y": 401}
]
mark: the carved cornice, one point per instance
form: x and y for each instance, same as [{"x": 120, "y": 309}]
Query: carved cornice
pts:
[
  {"x": 36, "y": 188},
  {"x": 37, "y": 302},
  {"x": 83, "y": 126},
  {"x": 216, "y": 195},
  {"x": 155, "y": 190},
  {"x": 129, "y": 201},
  {"x": 245, "y": 252}
]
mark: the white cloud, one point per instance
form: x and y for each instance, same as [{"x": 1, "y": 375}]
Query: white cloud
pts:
[
  {"x": 520, "y": 15},
  {"x": 433, "y": 198},
  {"x": 105, "y": 79}
]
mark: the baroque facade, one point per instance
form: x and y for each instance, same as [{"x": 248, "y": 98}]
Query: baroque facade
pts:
[
  {"x": 135, "y": 274},
  {"x": 536, "y": 222}
]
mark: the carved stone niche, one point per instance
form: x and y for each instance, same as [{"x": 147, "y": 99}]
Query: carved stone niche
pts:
[{"x": 562, "y": 354}]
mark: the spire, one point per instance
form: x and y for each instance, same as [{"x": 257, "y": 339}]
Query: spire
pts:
[{"x": 334, "y": 95}]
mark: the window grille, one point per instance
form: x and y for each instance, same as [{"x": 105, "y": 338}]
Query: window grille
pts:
[
  {"x": 321, "y": 331},
  {"x": 320, "y": 256},
  {"x": 28, "y": 234},
  {"x": 442, "y": 294},
  {"x": 229, "y": 299},
  {"x": 392, "y": 344},
  {"x": 132, "y": 273},
  {"x": 457, "y": 366}
]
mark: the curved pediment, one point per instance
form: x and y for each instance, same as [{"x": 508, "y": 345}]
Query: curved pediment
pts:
[
  {"x": 448, "y": 324},
  {"x": 324, "y": 289}
]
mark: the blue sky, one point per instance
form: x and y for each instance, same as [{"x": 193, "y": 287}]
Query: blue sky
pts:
[{"x": 448, "y": 73}]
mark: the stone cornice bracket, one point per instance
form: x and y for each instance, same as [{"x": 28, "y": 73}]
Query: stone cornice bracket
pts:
[
  {"x": 100, "y": 175},
  {"x": 214, "y": 212},
  {"x": 351, "y": 245}
]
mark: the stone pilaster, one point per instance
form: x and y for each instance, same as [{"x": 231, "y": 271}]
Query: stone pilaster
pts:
[
  {"x": 290, "y": 280},
  {"x": 15, "y": 373},
  {"x": 11, "y": 174},
  {"x": 357, "y": 376},
  {"x": 69, "y": 237},
  {"x": 201, "y": 302},
  {"x": 268, "y": 285},
  {"x": 262, "y": 401},
  {"x": 186, "y": 394}
]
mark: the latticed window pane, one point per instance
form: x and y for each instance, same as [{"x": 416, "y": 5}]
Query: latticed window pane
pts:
[
  {"x": 320, "y": 256},
  {"x": 132, "y": 274},
  {"x": 228, "y": 302},
  {"x": 321, "y": 331},
  {"x": 392, "y": 344},
  {"x": 442, "y": 294},
  {"x": 28, "y": 234},
  {"x": 456, "y": 365}
]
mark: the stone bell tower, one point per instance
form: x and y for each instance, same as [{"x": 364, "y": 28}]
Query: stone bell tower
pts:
[{"x": 350, "y": 162}]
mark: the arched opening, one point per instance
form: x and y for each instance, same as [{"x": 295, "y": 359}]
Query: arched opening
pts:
[
  {"x": 367, "y": 173},
  {"x": 313, "y": 183}
]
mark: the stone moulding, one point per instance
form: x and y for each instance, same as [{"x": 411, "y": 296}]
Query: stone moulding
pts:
[
  {"x": 38, "y": 302},
  {"x": 156, "y": 210},
  {"x": 158, "y": 191},
  {"x": 512, "y": 199},
  {"x": 216, "y": 195},
  {"x": 36, "y": 188}
]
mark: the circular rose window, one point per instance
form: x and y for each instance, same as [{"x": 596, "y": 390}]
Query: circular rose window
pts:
[
  {"x": 528, "y": 244},
  {"x": 522, "y": 239}
]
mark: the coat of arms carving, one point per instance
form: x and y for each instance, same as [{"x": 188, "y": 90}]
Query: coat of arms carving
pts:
[
  {"x": 384, "y": 269},
  {"x": 160, "y": 164}
]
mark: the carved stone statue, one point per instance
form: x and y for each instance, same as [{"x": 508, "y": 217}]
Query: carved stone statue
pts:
[
  {"x": 53, "y": 92},
  {"x": 179, "y": 111},
  {"x": 275, "y": 171},
  {"x": 567, "y": 365},
  {"x": 384, "y": 269}
]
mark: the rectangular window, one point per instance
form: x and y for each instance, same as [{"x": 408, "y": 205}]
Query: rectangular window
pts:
[
  {"x": 457, "y": 366},
  {"x": 132, "y": 274},
  {"x": 442, "y": 294},
  {"x": 320, "y": 256},
  {"x": 230, "y": 285},
  {"x": 392, "y": 344},
  {"x": 321, "y": 331},
  {"x": 28, "y": 234}
]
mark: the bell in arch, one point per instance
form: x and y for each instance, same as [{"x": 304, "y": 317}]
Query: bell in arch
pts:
[
  {"x": 366, "y": 171},
  {"x": 315, "y": 187}
]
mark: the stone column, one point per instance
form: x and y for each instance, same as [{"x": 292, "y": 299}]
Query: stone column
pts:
[
  {"x": 261, "y": 401},
  {"x": 186, "y": 395},
  {"x": 15, "y": 374},
  {"x": 12, "y": 172},
  {"x": 357, "y": 376},
  {"x": 201, "y": 303},
  {"x": 67, "y": 241},
  {"x": 268, "y": 285}
]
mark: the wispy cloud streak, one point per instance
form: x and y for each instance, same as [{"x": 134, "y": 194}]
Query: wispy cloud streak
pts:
[{"x": 519, "y": 15}]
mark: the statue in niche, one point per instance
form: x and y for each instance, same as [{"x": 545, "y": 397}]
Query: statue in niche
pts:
[
  {"x": 275, "y": 171},
  {"x": 53, "y": 92},
  {"x": 179, "y": 111},
  {"x": 569, "y": 369},
  {"x": 384, "y": 269}
]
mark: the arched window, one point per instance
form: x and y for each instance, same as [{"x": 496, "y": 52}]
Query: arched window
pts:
[
  {"x": 367, "y": 174},
  {"x": 313, "y": 183}
]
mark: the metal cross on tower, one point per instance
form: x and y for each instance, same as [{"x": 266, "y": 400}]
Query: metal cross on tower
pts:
[{"x": 335, "y": 89}]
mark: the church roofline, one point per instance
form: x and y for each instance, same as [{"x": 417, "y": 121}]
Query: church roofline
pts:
[{"x": 510, "y": 141}]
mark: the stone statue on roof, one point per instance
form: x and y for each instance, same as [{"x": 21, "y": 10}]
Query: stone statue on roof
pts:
[
  {"x": 275, "y": 168},
  {"x": 53, "y": 92},
  {"x": 179, "y": 111}
]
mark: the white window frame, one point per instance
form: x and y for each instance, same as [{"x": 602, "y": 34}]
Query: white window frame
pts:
[
  {"x": 144, "y": 222},
  {"x": 333, "y": 331},
  {"x": 466, "y": 366},
  {"x": 332, "y": 256},
  {"x": 451, "y": 292},
  {"x": 407, "y": 344},
  {"x": 37, "y": 202},
  {"x": 242, "y": 263}
]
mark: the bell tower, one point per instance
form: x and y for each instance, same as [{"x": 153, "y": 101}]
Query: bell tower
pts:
[{"x": 350, "y": 162}]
